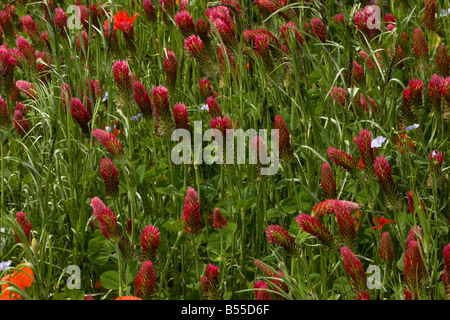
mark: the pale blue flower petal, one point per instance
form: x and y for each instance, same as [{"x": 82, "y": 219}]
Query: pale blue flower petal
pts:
[
  {"x": 414, "y": 126},
  {"x": 377, "y": 142},
  {"x": 4, "y": 265}
]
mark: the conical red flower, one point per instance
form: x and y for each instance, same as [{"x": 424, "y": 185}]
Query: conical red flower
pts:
[
  {"x": 342, "y": 159},
  {"x": 124, "y": 82},
  {"x": 327, "y": 207},
  {"x": 443, "y": 60},
  {"x": 150, "y": 242},
  {"x": 436, "y": 162},
  {"x": 80, "y": 115},
  {"x": 420, "y": 45},
  {"x": 110, "y": 175},
  {"x": 363, "y": 142},
  {"x": 318, "y": 28},
  {"x": 383, "y": 172},
  {"x": 273, "y": 275},
  {"x": 25, "y": 225},
  {"x": 429, "y": 18},
  {"x": 263, "y": 290},
  {"x": 346, "y": 224},
  {"x": 213, "y": 108},
  {"x": 414, "y": 268},
  {"x": 163, "y": 114},
  {"x": 408, "y": 116},
  {"x": 210, "y": 283},
  {"x": 206, "y": 90},
  {"x": 149, "y": 10},
  {"x": 109, "y": 140},
  {"x": 313, "y": 226},
  {"x": 142, "y": 99},
  {"x": 185, "y": 22},
  {"x": 60, "y": 20},
  {"x": 7, "y": 65},
  {"x": 355, "y": 270},
  {"x": 193, "y": 221},
  {"x": 21, "y": 124},
  {"x": 285, "y": 31},
  {"x": 5, "y": 118},
  {"x": 386, "y": 251},
  {"x": 328, "y": 182},
  {"x": 413, "y": 198},
  {"x": 180, "y": 115},
  {"x": 145, "y": 281},
  {"x": 338, "y": 94},
  {"x": 128, "y": 34},
  {"x": 281, "y": 237},
  {"x": 194, "y": 45},
  {"x": 219, "y": 220},
  {"x": 446, "y": 273},
  {"x": 434, "y": 92},
  {"x": 358, "y": 73},
  {"x": 284, "y": 145},
  {"x": 171, "y": 67},
  {"x": 221, "y": 18},
  {"x": 106, "y": 219}
]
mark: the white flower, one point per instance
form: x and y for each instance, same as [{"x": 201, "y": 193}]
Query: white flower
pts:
[
  {"x": 377, "y": 142},
  {"x": 204, "y": 107}
]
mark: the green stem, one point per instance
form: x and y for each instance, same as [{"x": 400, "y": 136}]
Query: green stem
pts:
[
  {"x": 166, "y": 266},
  {"x": 119, "y": 263}
]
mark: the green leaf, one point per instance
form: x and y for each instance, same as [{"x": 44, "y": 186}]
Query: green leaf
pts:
[
  {"x": 174, "y": 225},
  {"x": 140, "y": 173},
  {"x": 110, "y": 280},
  {"x": 131, "y": 272},
  {"x": 289, "y": 205}
]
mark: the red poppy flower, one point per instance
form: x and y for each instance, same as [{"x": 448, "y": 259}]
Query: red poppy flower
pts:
[
  {"x": 121, "y": 17},
  {"x": 128, "y": 298},
  {"x": 23, "y": 279},
  {"x": 381, "y": 222}
]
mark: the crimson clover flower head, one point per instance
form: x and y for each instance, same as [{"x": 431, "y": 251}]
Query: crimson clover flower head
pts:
[
  {"x": 281, "y": 237},
  {"x": 219, "y": 221},
  {"x": 191, "y": 213},
  {"x": 106, "y": 219},
  {"x": 25, "y": 225},
  {"x": 110, "y": 142},
  {"x": 145, "y": 281},
  {"x": 150, "y": 239},
  {"x": 110, "y": 175}
]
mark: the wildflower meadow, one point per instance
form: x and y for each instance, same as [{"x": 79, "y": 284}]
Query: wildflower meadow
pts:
[{"x": 224, "y": 150}]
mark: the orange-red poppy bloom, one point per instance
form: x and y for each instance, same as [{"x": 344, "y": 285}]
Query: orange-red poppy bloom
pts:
[
  {"x": 23, "y": 279},
  {"x": 128, "y": 298},
  {"x": 381, "y": 222},
  {"x": 120, "y": 17}
]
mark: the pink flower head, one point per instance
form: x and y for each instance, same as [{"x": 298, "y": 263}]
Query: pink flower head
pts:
[
  {"x": 6, "y": 24},
  {"x": 142, "y": 99},
  {"x": 149, "y": 10},
  {"x": 358, "y": 73},
  {"x": 171, "y": 66},
  {"x": 346, "y": 224},
  {"x": 124, "y": 82},
  {"x": 328, "y": 182},
  {"x": 386, "y": 251},
  {"x": 283, "y": 137},
  {"x": 363, "y": 142},
  {"x": 7, "y": 65},
  {"x": 443, "y": 60},
  {"x": 26, "y": 50},
  {"x": 429, "y": 18},
  {"x": 446, "y": 273},
  {"x": 445, "y": 88},
  {"x": 413, "y": 198},
  {"x": 338, "y": 94},
  {"x": 342, "y": 159},
  {"x": 110, "y": 142},
  {"x": 163, "y": 114},
  {"x": 327, "y": 207},
  {"x": 185, "y": 22},
  {"x": 434, "y": 93},
  {"x": 5, "y": 118},
  {"x": 145, "y": 281},
  {"x": 150, "y": 242},
  {"x": 27, "y": 88},
  {"x": 206, "y": 90},
  {"x": 219, "y": 220},
  {"x": 318, "y": 28},
  {"x": 263, "y": 290},
  {"x": 25, "y": 225},
  {"x": 21, "y": 124},
  {"x": 60, "y": 20},
  {"x": 313, "y": 226},
  {"x": 193, "y": 221},
  {"x": 222, "y": 20},
  {"x": 281, "y": 237},
  {"x": 213, "y": 108},
  {"x": 436, "y": 162},
  {"x": 420, "y": 45},
  {"x": 210, "y": 283},
  {"x": 106, "y": 219},
  {"x": 80, "y": 115},
  {"x": 355, "y": 270},
  {"x": 31, "y": 29},
  {"x": 383, "y": 172},
  {"x": 195, "y": 47},
  {"x": 110, "y": 175},
  {"x": 285, "y": 31},
  {"x": 414, "y": 268},
  {"x": 128, "y": 34},
  {"x": 180, "y": 115}
]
